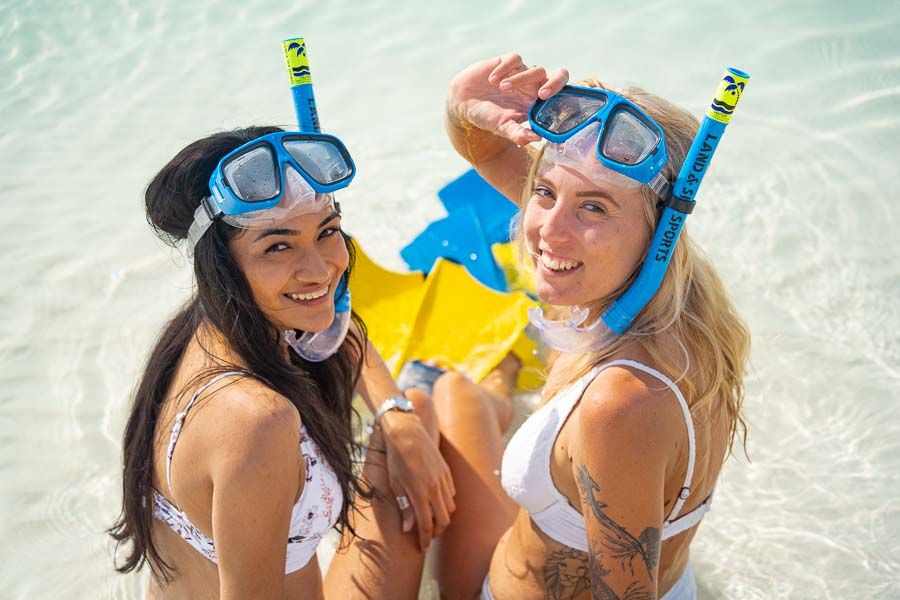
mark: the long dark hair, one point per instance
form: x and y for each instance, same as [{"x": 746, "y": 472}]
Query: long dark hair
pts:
[{"x": 322, "y": 392}]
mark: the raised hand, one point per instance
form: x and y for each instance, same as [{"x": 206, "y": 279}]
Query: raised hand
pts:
[{"x": 495, "y": 94}]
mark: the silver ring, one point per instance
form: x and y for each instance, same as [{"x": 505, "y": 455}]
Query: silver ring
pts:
[{"x": 403, "y": 502}]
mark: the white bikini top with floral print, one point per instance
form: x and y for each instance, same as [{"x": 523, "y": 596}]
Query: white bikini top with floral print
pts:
[{"x": 314, "y": 514}]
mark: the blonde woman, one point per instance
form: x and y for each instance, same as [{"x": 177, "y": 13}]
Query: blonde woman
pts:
[{"x": 599, "y": 493}]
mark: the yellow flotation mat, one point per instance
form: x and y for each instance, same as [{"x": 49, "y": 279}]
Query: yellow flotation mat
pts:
[{"x": 447, "y": 317}]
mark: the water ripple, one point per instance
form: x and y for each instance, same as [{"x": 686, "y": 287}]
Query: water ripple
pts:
[{"x": 799, "y": 215}]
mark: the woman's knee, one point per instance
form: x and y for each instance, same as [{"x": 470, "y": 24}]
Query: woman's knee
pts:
[
  {"x": 453, "y": 390},
  {"x": 460, "y": 401}
]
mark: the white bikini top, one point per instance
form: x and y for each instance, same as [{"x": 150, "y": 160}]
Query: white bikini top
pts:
[
  {"x": 314, "y": 514},
  {"x": 526, "y": 473}
]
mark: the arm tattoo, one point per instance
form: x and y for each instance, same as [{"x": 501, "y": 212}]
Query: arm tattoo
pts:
[
  {"x": 650, "y": 540},
  {"x": 600, "y": 590},
  {"x": 617, "y": 543}
]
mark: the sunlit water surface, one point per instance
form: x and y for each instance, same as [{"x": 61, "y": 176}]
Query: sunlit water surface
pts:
[{"x": 799, "y": 213}]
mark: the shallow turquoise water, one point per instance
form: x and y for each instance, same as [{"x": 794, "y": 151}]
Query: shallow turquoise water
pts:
[{"x": 798, "y": 214}]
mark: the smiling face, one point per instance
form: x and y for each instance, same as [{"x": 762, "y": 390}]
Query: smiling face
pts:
[
  {"x": 294, "y": 267},
  {"x": 585, "y": 236}
]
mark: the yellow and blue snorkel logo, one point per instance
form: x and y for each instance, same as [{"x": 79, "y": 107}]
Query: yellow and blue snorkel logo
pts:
[
  {"x": 297, "y": 61},
  {"x": 727, "y": 96}
]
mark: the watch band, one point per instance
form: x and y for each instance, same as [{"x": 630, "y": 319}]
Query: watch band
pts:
[{"x": 393, "y": 403}]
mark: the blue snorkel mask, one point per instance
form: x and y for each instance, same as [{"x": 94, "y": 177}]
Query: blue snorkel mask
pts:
[
  {"x": 281, "y": 175},
  {"x": 273, "y": 177},
  {"x": 627, "y": 148},
  {"x": 624, "y": 139}
]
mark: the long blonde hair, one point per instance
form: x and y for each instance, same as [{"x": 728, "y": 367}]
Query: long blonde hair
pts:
[{"x": 691, "y": 306}]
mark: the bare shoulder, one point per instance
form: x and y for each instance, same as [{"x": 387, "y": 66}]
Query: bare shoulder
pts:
[
  {"x": 245, "y": 420},
  {"x": 631, "y": 408}
]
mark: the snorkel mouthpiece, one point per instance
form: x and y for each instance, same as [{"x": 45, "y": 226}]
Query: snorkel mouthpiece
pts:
[
  {"x": 621, "y": 313},
  {"x": 316, "y": 347},
  {"x": 569, "y": 335}
]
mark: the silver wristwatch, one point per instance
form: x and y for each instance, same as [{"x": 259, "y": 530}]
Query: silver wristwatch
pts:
[{"x": 393, "y": 403}]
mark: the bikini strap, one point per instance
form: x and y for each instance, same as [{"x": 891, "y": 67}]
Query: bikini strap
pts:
[
  {"x": 685, "y": 490},
  {"x": 179, "y": 423}
]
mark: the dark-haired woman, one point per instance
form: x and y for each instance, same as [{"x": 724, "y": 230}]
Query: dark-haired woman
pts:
[{"x": 239, "y": 449}]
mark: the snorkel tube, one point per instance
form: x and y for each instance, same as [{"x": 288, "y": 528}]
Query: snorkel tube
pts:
[
  {"x": 573, "y": 334},
  {"x": 314, "y": 347},
  {"x": 623, "y": 311},
  {"x": 301, "y": 85}
]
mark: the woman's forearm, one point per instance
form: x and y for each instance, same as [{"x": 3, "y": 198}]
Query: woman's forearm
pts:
[
  {"x": 499, "y": 161},
  {"x": 375, "y": 383},
  {"x": 476, "y": 145}
]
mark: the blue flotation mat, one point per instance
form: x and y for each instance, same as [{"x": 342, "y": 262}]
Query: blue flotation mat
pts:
[{"x": 478, "y": 216}]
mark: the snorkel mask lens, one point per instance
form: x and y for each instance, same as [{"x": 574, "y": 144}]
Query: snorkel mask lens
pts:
[
  {"x": 326, "y": 163},
  {"x": 253, "y": 173},
  {"x": 629, "y": 139},
  {"x": 565, "y": 111}
]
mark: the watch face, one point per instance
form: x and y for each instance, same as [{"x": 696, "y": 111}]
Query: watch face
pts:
[{"x": 403, "y": 404}]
